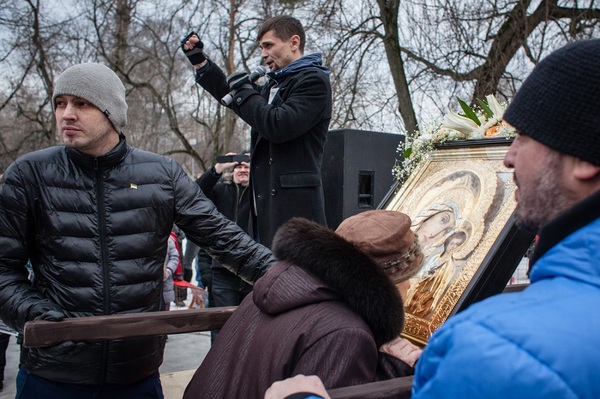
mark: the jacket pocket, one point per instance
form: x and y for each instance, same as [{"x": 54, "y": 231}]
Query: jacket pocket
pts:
[{"x": 299, "y": 179}]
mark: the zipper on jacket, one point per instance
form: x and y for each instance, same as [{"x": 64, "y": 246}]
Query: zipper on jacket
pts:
[{"x": 103, "y": 260}]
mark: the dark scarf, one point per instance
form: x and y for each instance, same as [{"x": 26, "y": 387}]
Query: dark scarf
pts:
[{"x": 313, "y": 60}]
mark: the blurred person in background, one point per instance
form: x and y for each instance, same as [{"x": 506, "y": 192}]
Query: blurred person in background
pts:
[{"x": 226, "y": 185}]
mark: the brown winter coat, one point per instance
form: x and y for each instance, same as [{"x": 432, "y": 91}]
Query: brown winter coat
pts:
[{"x": 324, "y": 308}]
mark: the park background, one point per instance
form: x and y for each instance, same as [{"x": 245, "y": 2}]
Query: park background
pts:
[{"x": 395, "y": 65}]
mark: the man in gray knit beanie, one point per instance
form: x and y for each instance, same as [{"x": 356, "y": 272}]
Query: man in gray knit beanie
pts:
[
  {"x": 542, "y": 342},
  {"x": 93, "y": 218},
  {"x": 97, "y": 84}
]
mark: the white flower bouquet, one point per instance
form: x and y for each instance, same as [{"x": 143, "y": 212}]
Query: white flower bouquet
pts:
[{"x": 484, "y": 121}]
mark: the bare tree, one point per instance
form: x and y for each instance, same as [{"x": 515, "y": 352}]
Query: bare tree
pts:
[
  {"x": 392, "y": 63},
  {"x": 27, "y": 52},
  {"x": 438, "y": 50},
  {"x": 488, "y": 41}
]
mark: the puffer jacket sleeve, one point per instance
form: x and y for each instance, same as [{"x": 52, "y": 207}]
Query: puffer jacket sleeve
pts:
[
  {"x": 221, "y": 238},
  {"x": 207, "y": 183},
  {"x": 18, "y": 299},
  {"x": 466, "y": 359}
]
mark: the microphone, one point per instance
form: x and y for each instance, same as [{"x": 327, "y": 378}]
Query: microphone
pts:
[{"x": 259, "y": 72}]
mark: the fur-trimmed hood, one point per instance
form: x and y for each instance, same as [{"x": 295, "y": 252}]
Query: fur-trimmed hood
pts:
[{"x": 338, "y": 270}]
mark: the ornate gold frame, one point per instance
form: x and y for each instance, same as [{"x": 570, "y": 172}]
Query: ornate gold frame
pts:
[{"x": 470, "y": 184}]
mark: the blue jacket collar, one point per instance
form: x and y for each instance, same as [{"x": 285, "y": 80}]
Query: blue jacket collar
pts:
[
  {"x": 566, "y": 223},
  {"x": 568, "y": 245}
]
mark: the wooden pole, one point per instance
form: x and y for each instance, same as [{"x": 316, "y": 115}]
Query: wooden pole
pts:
[
  {"x": 39, "y": 333},
  {"x": 397, "y": 388}
]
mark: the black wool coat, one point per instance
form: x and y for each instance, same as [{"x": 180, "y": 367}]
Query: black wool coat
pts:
[
  {"x": 231, "y": 200},
  {"x": 287, "y": 141}
]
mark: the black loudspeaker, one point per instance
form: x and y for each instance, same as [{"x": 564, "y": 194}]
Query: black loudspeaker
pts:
[{"x": 357, "y": 171}]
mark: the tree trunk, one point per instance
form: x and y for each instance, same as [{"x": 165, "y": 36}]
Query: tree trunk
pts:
[{"x": 391, "y": 42}]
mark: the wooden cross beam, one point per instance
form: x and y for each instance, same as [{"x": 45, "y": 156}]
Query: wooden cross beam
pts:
[{"x": 40, "y": 333}]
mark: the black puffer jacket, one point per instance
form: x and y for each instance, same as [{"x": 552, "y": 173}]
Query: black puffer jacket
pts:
[{"x": 95, "y": 230}]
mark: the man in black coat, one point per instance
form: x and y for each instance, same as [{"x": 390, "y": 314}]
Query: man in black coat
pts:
[{"x": 289, "y": 117}]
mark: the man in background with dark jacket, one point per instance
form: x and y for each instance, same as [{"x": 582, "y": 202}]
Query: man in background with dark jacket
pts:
[
  {"x": 93, "y": 217},
  {"x": 289, "y": 117},
  {"x": 226, "y": 185}
]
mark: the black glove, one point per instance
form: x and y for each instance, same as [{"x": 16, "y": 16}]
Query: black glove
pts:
[
  {"x": 196, "y": 54},
  {"x": 45, "y": 311},
  {"x": 239, "y": 80}
]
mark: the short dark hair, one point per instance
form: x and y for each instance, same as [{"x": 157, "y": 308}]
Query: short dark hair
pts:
[{"x": 284, "y": 27}]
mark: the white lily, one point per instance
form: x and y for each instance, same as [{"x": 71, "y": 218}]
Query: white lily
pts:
[
  {"x": 495, "y": 106},
  {"x": 477, "y": 133},
  {"x": 459, "y": 123}
]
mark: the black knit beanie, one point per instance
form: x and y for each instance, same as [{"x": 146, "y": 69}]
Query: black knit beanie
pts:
[{"x": 559, "y": 103}]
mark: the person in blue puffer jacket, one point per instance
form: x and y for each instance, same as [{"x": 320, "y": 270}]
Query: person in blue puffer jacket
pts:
[{"x": 542, "y": 342}]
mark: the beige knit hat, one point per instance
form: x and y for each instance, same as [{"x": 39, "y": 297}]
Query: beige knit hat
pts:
[{"x": 387, "y": 238}]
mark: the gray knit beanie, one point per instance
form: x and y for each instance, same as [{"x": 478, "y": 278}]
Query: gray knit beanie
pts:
[
  {"x": 559, "y": 103},
  {"x": 97, "y": 84}
]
